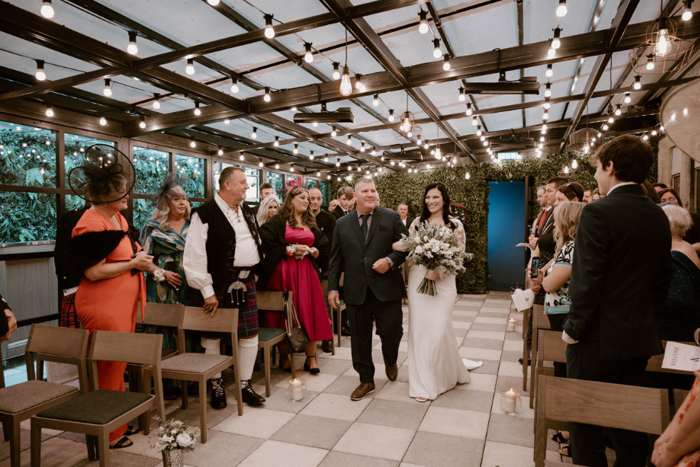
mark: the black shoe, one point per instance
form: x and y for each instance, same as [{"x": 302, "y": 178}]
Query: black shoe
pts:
[
  {"x": 345, "y": 330},
  {"x": 520, "y": 360},
  {"x": 250, "y": 397},
  {"x": 218, "y": 394},
  {"x": 313, "y": 371},
  {"x": 327, "y": 346}
]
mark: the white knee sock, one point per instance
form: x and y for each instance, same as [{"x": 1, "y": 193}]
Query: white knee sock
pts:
[
  {"x": 212, "y": 347},
  {"x": 247, "y": 353}
]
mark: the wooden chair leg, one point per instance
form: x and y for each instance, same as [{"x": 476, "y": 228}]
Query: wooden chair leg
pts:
[
  {"x": 533, "y": 367},
  {"x": 103, "y": 446},
  {"x": 185, "y": 395},
  {"x": 6, "y": 430},
  {"x": 15, "y": 444},
  {"x": 145, "y": 388},
  {"x": 203, "y": 408},
  {"x": 338, "y": 325},
  {"x": 91, "y": 447},
  {"x": 526, "y": 322},
  {"x": 36, "y": 444},
  {"x": 266, "y": 352}
]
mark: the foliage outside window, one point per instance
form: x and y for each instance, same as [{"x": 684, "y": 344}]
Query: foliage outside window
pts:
[
  {"x": 151, "y": 168},
  {"x": 190, "y": 172},
  {"x": 143, "y": 208},
  {"x": 27, "y": 217},
  {"x": 277, "y": 181},
  {"x": 74, "y": 147}
]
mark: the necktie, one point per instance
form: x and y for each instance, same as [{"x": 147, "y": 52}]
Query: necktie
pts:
[{"x": 363, "y": 227}]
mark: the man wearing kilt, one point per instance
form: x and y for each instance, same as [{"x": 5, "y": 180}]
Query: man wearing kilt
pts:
[{"x": 222, "y": 252}]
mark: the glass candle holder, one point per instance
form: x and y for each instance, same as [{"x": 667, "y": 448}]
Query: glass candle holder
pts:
[
  {"x": 512, "y": 325},
  {"x": 297, "y": 389},
  {"x": 510, "y": 403}
]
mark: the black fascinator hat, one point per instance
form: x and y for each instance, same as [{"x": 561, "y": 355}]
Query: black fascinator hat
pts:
[{"x": 105, "y": 175}]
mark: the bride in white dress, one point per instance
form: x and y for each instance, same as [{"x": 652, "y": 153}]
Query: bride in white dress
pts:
[{"x": 434, "y": 363}]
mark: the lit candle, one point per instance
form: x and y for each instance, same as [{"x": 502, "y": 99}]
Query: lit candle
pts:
[
  {"x": 511, "y": 325},
  {"x": 297, "y": 389},
  {"x": 509, "y": 401}
]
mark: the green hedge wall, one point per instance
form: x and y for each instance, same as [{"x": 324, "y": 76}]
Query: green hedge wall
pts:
[{"x": 473, "y": 193}]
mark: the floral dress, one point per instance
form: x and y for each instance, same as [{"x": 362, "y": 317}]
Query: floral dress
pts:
[
  {"x": 692, "y": 459},
  {"x": 558, "y": 302},
  {"x": 167, "y": 247}
]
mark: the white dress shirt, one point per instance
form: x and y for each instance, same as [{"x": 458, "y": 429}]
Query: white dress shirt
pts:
[{"x": 194, "y": 261}]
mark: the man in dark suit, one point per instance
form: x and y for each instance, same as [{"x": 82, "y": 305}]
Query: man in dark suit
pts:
[
  {"x": 619, "y": 283},
  {"x": 402, "y": 209},
  {"x": 373, "y": 287},
  {"x": 346, "y": 199}
]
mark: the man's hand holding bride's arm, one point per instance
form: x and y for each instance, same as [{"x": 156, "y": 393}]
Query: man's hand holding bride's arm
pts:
[{"x": 433, "y": 276}]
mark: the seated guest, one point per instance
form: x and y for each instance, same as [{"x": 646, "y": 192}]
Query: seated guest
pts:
[
  {"x": 679, "y": 444},
  {"x": 293, "y": 243},
  {"x": 619, "y": 285},
  {"x": 668, "y": 196},
  {"x": 332, "y": 205},
  {"x": 571, "y": 191},
  {"x": 682, "y": 315},
  {"x": 268, "y": 208},
  {"x": 8, "y": 322}
]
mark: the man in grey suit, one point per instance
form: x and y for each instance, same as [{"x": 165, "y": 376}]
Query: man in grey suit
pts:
[{"x": 373, "y": 286}]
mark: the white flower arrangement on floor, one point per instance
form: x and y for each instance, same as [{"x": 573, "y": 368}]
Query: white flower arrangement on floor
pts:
[
  {"x": 437, "y": 248},
  {"x": 175, "y": 435}
]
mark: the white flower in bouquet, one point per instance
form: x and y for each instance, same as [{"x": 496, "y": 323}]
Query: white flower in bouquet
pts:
[
  {"x": 175, "y": 435},
  {"x": 184, "y": 440}
]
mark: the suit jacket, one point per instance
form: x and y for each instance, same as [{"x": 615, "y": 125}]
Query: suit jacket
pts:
[
  {"x": 4, "y": 324},
  {"x": 326, "y": 223},
  {"x": 66, "y": 267},
  {"x": 548, "y": 222},
  {"x": 620, "y": 275},
  {"x": 338, "y": 212},
  {"x": 353, "y": 256}
]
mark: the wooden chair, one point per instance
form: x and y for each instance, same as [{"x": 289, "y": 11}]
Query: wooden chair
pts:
[
  {"x": 655, "y": 362},
  {"x": 526, "y": 353},
  {"x": 21, "y": 401},
  {"x": 339, "y": 311},
  {"x": 268, "y": 337},
  {"x": 99, "y": 412},
  {"x": 539, "y": 321},
  {"x": 610, "y": 405},
  {"x": 551, "y": 349},
  {"x": 200, "y": 367},
  {"x": 157, "y": 314},
  {"x": 324, "y": 286}
]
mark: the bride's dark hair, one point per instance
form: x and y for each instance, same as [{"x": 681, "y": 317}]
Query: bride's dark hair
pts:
[{"x": 446, "y": 213}]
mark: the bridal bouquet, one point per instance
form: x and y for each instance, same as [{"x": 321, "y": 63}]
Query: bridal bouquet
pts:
[
  {"x": 437, "y": 248},
  {"x": 174, "y": 435}
]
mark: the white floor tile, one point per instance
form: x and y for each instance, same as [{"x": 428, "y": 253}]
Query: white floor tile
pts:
[
  {"x": 506, "y": 455},
  {"x": 473, "y": 353},
  {"x": 379, "y": 371},
  {"x": 316, "y": 383},
  {"x": 497, "y": 335},
  {"x": 454, "y": 422},
  {"x": 335, "y": 406},
  {"x": 396, "y": 391},
  {"x": 258, "y": 423},
  {"x": 468, "y": 314},
  {"x": 480, "y": 382},
  {"x": 375, "y": 441},
  {"x": 510, "y": 369},
  {"x": 461, "y": 325},
  {"x": 480, "y": 319},
  {"x": 289, "y": 455},
  {"x": 513, "y": 345}
]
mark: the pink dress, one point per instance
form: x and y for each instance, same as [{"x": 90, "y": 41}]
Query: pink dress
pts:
[{"x": 300, "y": 277}]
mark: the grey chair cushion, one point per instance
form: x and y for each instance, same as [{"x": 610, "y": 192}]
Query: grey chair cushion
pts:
[
  {"x": 192, "y": 362},
  {"x": 23, "y": 396},
  {"x": 267, "y": 334},
  {"x": 96, "y": 407}
]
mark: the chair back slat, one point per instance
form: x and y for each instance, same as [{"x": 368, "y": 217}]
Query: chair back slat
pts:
[
  {"x": 272, "y": 300},
  {"x": 540, "y": 320},
  {"x": 161, "y": 314},
  {"x": 552, "y": 345},
  {"x": 611, "y": 405},
  {"x": 62, "y": 342},
  {"x": 129, "y": 347},
  {"x": 224, "y": 320}
]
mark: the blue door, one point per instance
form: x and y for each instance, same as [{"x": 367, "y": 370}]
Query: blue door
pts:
[{"x": 506, "y": 229}]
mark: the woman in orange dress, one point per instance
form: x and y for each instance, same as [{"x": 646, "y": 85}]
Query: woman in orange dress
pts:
[{"x": 105, "y": 250}]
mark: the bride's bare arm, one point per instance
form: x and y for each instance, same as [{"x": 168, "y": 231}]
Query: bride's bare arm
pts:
[{"x": 398, "y": 246}]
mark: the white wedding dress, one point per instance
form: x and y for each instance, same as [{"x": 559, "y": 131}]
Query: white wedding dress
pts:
[{"x": 434, "y": 363}]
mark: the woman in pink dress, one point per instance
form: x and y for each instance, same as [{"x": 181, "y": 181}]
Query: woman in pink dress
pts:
[{"x": 292, "y": 243}]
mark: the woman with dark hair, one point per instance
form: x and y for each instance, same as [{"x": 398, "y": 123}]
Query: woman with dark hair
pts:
[
  {"x": 571, "y": 191},
  {"x": 293, "y": 243},
  {"x": 434, "y": 363}
]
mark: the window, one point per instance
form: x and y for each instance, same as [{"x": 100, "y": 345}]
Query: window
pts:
[
  {"x": 151, "y": 168},
  {"x": 74, "y": 147},
  {"x": 27, "y": 217},
  {"x": 277, "y": 181},
  {"x": 252, "y": 176},
  {"x": 190, "y": 172}
]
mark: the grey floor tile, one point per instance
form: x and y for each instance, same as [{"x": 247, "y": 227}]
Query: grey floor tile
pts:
[
  {"x": 393, "y": 413},
  {"x": 491, "y": 314},
  {"x": 333, "y": 366},
  {"x": 345, "y": 385},
  {"x": 511, "y": 356},
  {"x": 377, "y": 356},
  {"x": 461, "y": 332},
  {"x": 217, "y": 450},
  {"x": 490, "y": 367},
  {"x": 343, "y": 459},
  {"x": 466, "y": 319},
  {"x": 25, "y": 442},
  {"x": 514, "y": 336},
  {"x": 488, "y": 327},
  {"x": 478, "y": 401},
  {"x": 280, "y": 399},
  {"x": 317, "y": 432},
  {"x": 490, "y": 344},
  {"x": 511, "y": 430},
  {"x": 505, "y": 383},
  {"x": 436, "y": 450}
]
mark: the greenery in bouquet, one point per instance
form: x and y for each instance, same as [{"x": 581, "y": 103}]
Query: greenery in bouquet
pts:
[
  {"x": 175, "y": 435},
  {"x": 437, "y": 248}
]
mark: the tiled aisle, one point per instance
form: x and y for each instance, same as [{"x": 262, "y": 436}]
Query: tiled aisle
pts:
[{"x": 461, "y": 428}]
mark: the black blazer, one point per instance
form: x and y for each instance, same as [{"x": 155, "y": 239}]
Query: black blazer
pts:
[
  {"x": 621, "y": 274},
  {"x": 326, "y": 224},
  {"x": 274, "y": 247},
  {"x": 351, "y": 255},
  {"x": 66, "y": 267},
  {"x": 4, "y": 324},
  {"x": 338, "y": 212}
]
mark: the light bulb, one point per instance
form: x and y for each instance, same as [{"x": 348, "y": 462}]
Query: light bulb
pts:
[
  {"x": 349, "y": 141},
  {"x": 611, "y": 120},
  {"x": 628, "y": 98},
  {"x": 334, "y": 133},
  {"x": 362, "y": 147},
  {"x": 269, "y": 30},
  {"x": 645, "y": 137},
  {"x": 277, "y": 166},
  {"x": 551, "y": 53},
  {"x": 49, "y": 111},
  {"x": 618, "y": 110},
  {"x": 193, "y": 144},
  {"x": 437, "y": 52},
  {"x": 469, "y": 109},
  {"x": 227, "y": 121},
  {"x": 483, "y": 138},
  {"x": 359, "y": 85},
  {"x": 687, "y": 13},
  {"x": 296, "y": 149},
  {"x": 486, "y": 143},
  {"x": 663, "y": 45},
  {"x": 241, "y": 157},
  {"x": 132, "y": 48},
  {"x": 234, "y": 85},
  {"x": 478, "y": 130},
  {"x": 418, "y": 141},
  {"x": 540, "y": 146},
  {"x": 654, "y": 133},
  {"x": 566, "y": 169},
  {"x": 266, "y": 96},
  {"x": 637, "y": 83},
  {"x": 189, "y": 69},
  {"x": 605, "y": 127},
  {"x": 391, "y": 115},
  {"x": 423, "y": 27},
  {"x": 475, "y": 121},
  {"x": 467, "y": 176},
  {"x": 544, "y": 127},
  {"x": 254, "y": 135},
  {"x": 308, "y": 56},
  {"x": 345, "y": 84},
  {"x": 574, "y": 164},
  {"x": 545, "y": 115},
  {"x": 47, "y": 9},
  {"x": 375, "y": 100},
  {"x": 213, "y": 2},
  {"x": 314, "y": 124},
  {"x": 548, "y": 90},
  {"x": 650, "y": 62},
  {"x": 260, "y": 164},
  {"x": 294, "y": 108},
  {"x": 156, "y": 101},
  {"x": 103, "y": 121},
  {"x": 426, "y": 146},
  {"x": 462, "y": 96},
  {"x": 561, "y": 9},
  {"x": 40, "y": 73},
  {"x": 546, "y": 104},
  {"x": 220, "y": 152},
  {"x": 277, "y": 142},
  {"x": 542, "y": 139},
  {"x": 311, "y": 155},
  {"x": 549, "y": 71},
  {"x": 556, "y": 41},
  {"x": 108, "y": 88},
  {"x": 336, "y": 70},
  {"x": 197, "y": 110},
  {"x": 291, "y": 169},
  {"x": 446, "y": 63}
]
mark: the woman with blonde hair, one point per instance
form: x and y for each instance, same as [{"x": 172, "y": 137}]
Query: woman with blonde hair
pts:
[{"x": 268, "y": 208}]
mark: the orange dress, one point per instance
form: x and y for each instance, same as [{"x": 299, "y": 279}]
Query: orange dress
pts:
[{"x": 109, "y": 304}]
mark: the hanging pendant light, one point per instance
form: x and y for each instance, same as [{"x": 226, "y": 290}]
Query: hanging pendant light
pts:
[
  {"x": 40, "y": 73},
  {"x": 423, "y": 27},
  {"x": 269, "y": 30},
  {"x": 47, "y": 9},
  {"x": 336, "y": 70},
  {"x": 437, "y": 51},
  {"x": 345, "y": 84},
  {"x": 132, "y": 48},
  {"x": 308, "y": 55}
]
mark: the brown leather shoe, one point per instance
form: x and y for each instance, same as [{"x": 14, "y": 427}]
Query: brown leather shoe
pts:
[
  {"x": 361, "y": 391},
  {"x": 392, "y": 371}
]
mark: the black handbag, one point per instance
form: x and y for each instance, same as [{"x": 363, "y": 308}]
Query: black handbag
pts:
[{"x": 296, "y": 335}]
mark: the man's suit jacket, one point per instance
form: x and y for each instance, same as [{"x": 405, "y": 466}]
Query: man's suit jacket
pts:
[
  {"x": 353, "y": 256},
  {"x": 338, "y": 212},
  {"x": 326, "y": 223},
  {"x": 548, "y": 222},
  {"x": 620, "y": 275}
]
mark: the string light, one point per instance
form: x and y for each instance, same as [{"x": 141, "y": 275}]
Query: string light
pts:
[
  {"x": 193, "y": 144},
  {"x": 197, "y": 110},
  {"x": 650, "y": 62},
  {"x": 446, "y": 63},
  {"x": 314, "y": 124},
  {"x": 637, "y": 83},
  {"x": 40, "y": 73},
  {"x": 277, "y": 142},
  {"x": 418, "y": 141},
  {"x": 546, "y": 104},
  {"x": 628, "y": 98},
  {"x": 293, "y": 108},
  {"x": 132, "y": 48},
  {"x": 266, "y": 96},
  {"x": 227, "y": 121},
  {"x": 548, "y": 90},
  {"x": 654, "y": 133},
  {"x": 423, "y": 27},
  {"x": 618, "y": 109},
  {"x": 156, "y": 101},
  {"x": 213, "y": 2},
  {"x": 108, "y": 88},
  {"x": 551, "y": 52},
  {"x": 469, "y": 109},
  {"x": 47, "y": 9},
  {"x": 574, "y": 164},
  {"x": 49, "y": 111},
  {"x": 277, "y": 166},
  {"x": 269, "y": 30},
  {"x": 291, "y": 169},
  {"x": 645, "y": 137},
  {"x": 437, "y": 52},
  {"x": 234, "y": 85},
  {"x": 545, "y": 115},
  {"x": 311, "y": 155},
  {"x": 605, "y": 127},
  {"x": 478, "y": 130},
  {"x": 362, "y": 147},
  {"x": 566, "y": 169},
  {"x": 241, "y": 157},
  {"x": 254, "y": 135},
  {"x": 189, "y": 69},
  {"x": 391, "y": 115},
  {"x": 345, "y": 84},
  {"x": 142, "y": 122},
  {"x": 308, "y": 56},
  {"x": 220, "y": 152},
  {"x": 103, "y": 120},
  {"x": 334, "y": 133},
  {"x": 296, "y": 149},
  {"x": 467, "y": 176},
  {"x": 475, "y": 121},
  {"x": 556, "y": 40},
  {"x": 375, "y": 100},
  {"x": 349, "y": 141},
  {"x": 462, "y": 96},
  {"x": 549, "y": 71},
  {"x": 359, "y": 85},
  {"x": 260, "y": 164},
  {"x": 687, "y": 13},
  {"x": 561, "y": 9}
]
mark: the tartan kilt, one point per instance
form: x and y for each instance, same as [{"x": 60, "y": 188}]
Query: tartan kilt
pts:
[
  {"x": 247, "y": 314},
  {"x": 67, "y": 317}
]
